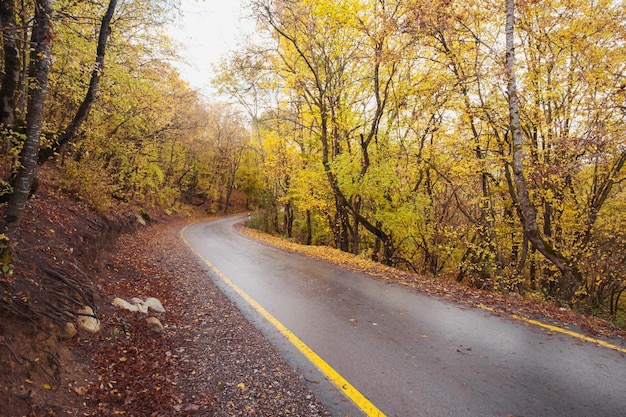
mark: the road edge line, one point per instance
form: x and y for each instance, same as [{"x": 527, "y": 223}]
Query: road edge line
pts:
[
  {"x": 557, "y": 329},
  {"x": 329, "y": 372}
]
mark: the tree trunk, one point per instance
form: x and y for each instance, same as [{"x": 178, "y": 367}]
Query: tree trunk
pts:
[
  {"x": 309, "y": 228},
  {"x": 229, "y": 193},
  {"x": 355, "y": 227},
  {"x": 341, "y": 225},
  {"x": 39, "y": 69},
  {"x": 570, "y": 276},
  {"x": 92, "y": 91},
  {"x": 289, "y": 218},
  {"x": 11, "y": 63}
]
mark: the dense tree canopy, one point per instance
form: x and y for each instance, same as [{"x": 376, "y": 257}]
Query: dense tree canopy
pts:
[{"x": 117, "y": 119}]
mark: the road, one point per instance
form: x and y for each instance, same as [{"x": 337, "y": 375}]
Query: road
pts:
[{"x": 407, "y": 353}]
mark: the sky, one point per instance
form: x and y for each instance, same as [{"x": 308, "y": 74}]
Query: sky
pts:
[{"x": 208, "y": 30}]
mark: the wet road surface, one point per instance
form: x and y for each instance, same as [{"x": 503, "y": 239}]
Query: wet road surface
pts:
[{"x": 410, "y": 354}]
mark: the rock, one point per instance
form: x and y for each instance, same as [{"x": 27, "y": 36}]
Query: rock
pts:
[
  {"x": 154, "y": 304},
  {"x": 143, "y": 308},
  {"x": 140, "y": 219},
  {"x": 119, "y": 302},
  {"x": 137, "y": 304},
  {"x": 88, "y": 321},
  {"x": 68, "y": 330},
  {"x": 154, "y": 324}
]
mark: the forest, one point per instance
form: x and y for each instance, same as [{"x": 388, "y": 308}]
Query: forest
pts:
[
  {"x": 481, "y": 142},
  {"x": 476, "y": 141}
]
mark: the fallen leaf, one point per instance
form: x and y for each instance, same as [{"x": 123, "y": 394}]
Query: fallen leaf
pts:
[{"x": 192, "y": 407}]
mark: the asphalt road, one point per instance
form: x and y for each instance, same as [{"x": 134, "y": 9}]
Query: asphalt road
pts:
[{"x": 409, "y": 354}]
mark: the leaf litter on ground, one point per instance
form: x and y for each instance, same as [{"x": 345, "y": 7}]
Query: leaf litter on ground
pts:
[{"x": 210, "y": 360}]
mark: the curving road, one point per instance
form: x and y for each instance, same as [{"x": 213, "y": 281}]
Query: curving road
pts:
[{"x": 409, "y": 354}]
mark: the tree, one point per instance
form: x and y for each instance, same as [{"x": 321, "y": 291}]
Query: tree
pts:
[
  {"x": 319, "y": 55},
  {"x": 42, "y": 35},
  {"x": 12, "y": 62},
  {"x": 83, "y": 110},
  {"x": 570, "y": 275}
]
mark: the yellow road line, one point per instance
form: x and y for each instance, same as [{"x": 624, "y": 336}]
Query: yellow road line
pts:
[
  {"x": 340, "y": 382},
  {"x": 561, "y": 330}
]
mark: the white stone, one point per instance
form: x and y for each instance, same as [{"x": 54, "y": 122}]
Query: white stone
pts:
[
  {"x": 142, "y": 307},
  {"x": 140, "y": 219},
  {"x": 154, "y": 324},
  {"x": 119, "y": 302},
  {"x": 87, "y": 321},
  {"x": 154, "y": 304},
  {"x": 68, "y": 330}
]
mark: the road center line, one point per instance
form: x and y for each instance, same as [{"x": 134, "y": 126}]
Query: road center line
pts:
[{"x": 339, "y": 381}]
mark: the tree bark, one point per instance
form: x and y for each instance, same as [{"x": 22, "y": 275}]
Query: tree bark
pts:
[
  {"x": 11, "y": 63},
  {"x": 570, "y": 276},
  {"x": 39, "y": 69},
  {"x": 309, "y": 228},
  {"x": 92, "y": 92}
]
